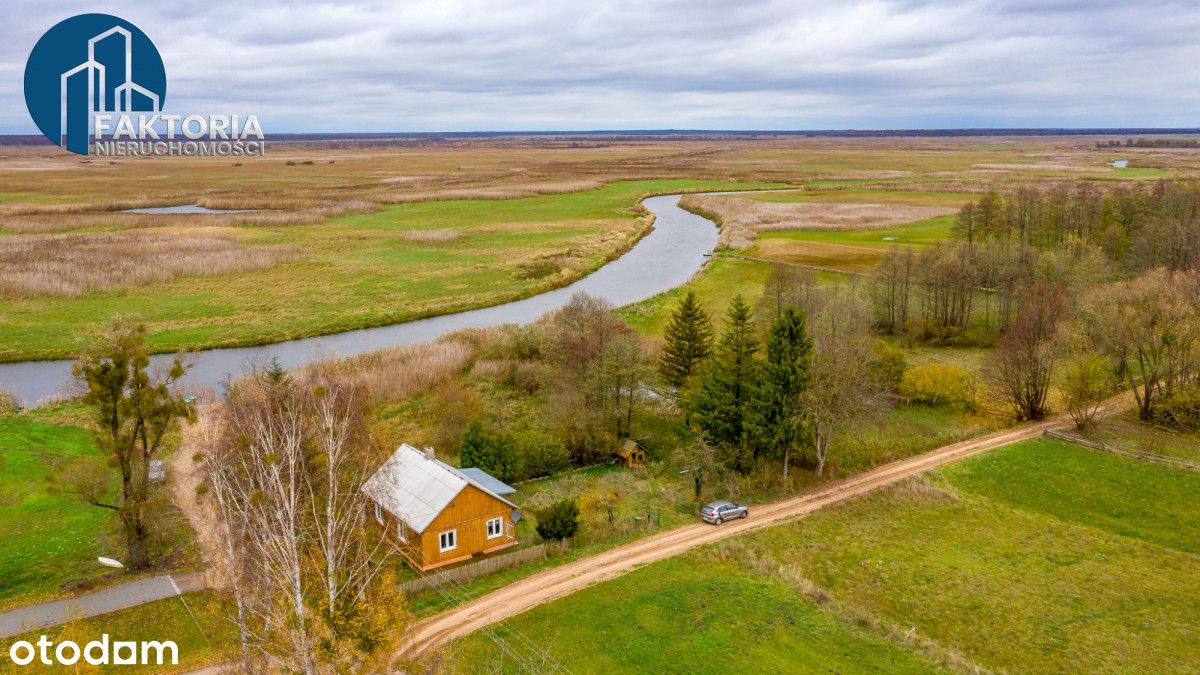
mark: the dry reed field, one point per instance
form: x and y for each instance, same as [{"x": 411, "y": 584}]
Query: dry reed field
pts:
[
  {"x": 743, "y": 219},
  {"x": 69, "y": 265},
  {"x": 399, "y": 373}
]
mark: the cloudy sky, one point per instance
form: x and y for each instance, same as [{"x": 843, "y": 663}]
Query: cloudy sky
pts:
[{"x": 436, "y": 65}]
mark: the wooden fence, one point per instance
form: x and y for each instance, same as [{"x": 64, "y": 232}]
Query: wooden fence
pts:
[
  {"x": 481, "y": 567},
  {"x": 1104, "y": 447}
]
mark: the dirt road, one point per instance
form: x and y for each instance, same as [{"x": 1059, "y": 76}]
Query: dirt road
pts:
[
  {"x": 185, "y": 476},
  {"x": 560, "y": 581}
]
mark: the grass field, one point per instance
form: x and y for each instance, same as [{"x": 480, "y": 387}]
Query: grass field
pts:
[
  {"x": 362, "y": 270},
  {"x": 198, "y": 623},
  {"x": 679, "y": 616},
  {"x": 1157, "y": 504},
  {"x": 874, "y": 196},
  {"x": 715, "y": 286},
  {"x": 1036, "y": 557},
  {"x": 848, "y": 250},
  {"x": 48, "y": 539},
  {"x": 45, "y": 539}
]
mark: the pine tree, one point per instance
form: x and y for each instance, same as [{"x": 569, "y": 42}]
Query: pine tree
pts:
[
  {"x": 689, "y": 338},
  {"x": 776, "y": 425},
  {"x": 720, "y": 404}
]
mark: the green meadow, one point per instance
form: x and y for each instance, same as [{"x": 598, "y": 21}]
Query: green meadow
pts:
[
  {"x": 45, "y": 539},
  {"x": 48, "y": 538},
  {"x": 680, "y": 615},
  {"x": 1039, "y": 557}
]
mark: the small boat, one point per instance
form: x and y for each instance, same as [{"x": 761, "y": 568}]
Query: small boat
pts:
[{"x": 109, "y": 562}]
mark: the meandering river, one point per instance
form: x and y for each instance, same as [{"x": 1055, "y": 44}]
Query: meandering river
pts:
[{"x": 667, "y": 257}]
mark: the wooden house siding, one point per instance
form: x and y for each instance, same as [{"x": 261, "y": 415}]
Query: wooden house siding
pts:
[
  {"x": 468, "y": 514},
  {"x": 411, "y": 550}
]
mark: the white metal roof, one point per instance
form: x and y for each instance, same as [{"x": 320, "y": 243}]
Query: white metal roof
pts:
[{"x": 416, "y": 488}]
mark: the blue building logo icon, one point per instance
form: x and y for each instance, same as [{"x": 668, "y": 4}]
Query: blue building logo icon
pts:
[{"x": 88, "y": 64}]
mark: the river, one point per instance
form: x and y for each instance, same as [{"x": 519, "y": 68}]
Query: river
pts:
[{"x": 665, "y": 258}]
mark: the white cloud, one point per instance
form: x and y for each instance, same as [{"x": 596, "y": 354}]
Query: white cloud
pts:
[{"x": 506, "y": 64}]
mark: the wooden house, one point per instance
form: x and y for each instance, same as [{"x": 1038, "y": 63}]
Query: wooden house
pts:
[
  {"x": 631, "y": 453},
  {"x": 434, "y": 514}
]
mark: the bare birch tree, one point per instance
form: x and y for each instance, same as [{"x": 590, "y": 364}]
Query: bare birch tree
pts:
[{"x": 305, "y": 566}]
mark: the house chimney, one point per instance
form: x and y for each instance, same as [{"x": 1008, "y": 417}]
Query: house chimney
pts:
[{"x": 428, "y": 452}]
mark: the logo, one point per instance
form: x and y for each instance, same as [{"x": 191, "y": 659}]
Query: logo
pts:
[
  {"x": 95, "y": 653},
  {"x": 96, "y": 84}
]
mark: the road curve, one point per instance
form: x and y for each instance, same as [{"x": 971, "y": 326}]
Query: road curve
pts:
[{"x": 563, "y": 580}]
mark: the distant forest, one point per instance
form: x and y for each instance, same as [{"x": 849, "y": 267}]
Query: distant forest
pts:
[{"x": 1151, "y": 143}]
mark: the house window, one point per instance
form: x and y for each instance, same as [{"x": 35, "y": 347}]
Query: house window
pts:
[
  {"x": 401, "y": 531},
  {"x": 495, "y": 527},
  {"x": 448, "y": 540},
  {"x": 379, "y": 514}
]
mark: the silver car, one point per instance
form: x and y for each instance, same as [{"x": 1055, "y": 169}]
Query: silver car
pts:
[{"x": 722, "y": 510}]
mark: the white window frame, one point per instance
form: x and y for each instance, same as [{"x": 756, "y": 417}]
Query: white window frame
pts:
[
  {"x": 499, "y": 523},
  {"x": 442, "y": 538},
  {"x": 379, "y": 514},
  {"x": 401, "y": 530}
]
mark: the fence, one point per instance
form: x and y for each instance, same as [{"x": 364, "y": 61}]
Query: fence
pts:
[
  {"x": 481, "y": 567},
  {"x": 1143, "y": 456}
]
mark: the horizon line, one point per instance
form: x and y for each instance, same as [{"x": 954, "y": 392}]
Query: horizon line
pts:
[{"x": 37, "y": 138}]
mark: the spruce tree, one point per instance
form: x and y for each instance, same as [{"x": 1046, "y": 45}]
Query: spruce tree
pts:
[
  {"x": 720, "y": 404},
  {"x": 776, "y": 425},
  {"x": 494, "y": 453},
  {"x": 689, "y": 338}
]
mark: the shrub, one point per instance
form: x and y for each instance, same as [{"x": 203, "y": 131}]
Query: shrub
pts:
[
  {"x": 889, "y": 362},
  {"x": 1179, "y": 409},
  {"x": 540, "y": 453},
  {"x": 494, "y": 453},
  {"x": 938, "y": 384},
  {"x": 1086, "y": 380},
  {"x": 558, "y": 521},
  {"x": 8, "y": 403}
]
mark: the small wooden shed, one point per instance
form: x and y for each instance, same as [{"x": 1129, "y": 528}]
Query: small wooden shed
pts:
[
  {"x": 434, "y": 514},
  {"x": 632, "y": 453}
]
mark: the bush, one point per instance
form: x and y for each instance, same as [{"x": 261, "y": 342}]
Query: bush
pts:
[
  {"x": 1180, "y": 409},
  {"x": 8, "y": 403},
  {"x": 558, "y": 521},
  {"x": 889, "y": 362},
  {"x": 1086, "y": 380},
  {"x": 938, "y": 384},
  {"x": 540, "y": 453},
  {"x": 494, "y": 453}
]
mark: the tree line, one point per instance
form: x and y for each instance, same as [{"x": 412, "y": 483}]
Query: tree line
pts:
[{"x": 778, "y": 384}]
